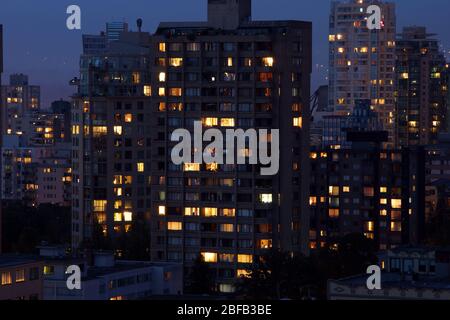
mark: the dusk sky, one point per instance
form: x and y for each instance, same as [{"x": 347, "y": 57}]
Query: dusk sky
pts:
[{"x": 38, "y": 43}]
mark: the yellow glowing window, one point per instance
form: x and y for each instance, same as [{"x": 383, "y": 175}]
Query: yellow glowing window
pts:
[
  {"x": 162, "y": 106},
  {"x": 118, "y": 130},
  {"x": 341, "y": 50},
  {"x": 227, "y": 227},
  {"x": 117, "y": 216},
  {"x": 209, "y": 212},
  {"x": 162, "y": 91},
  {"x": 6, "y": 278},
  {"x": 98, "y": 131},
  {"x": 333, "y": 190},
  {"x": 209, "y": 122},
  {"x": 396, "y": 226},
  {"x": 370, "y": 226},
  {"x": 298, "y": 122},
  {"x": 332, "y": 38},
  {"x": 191, "y": 211},
  {"x": 117, "y": 204},
  {"x": 313, "y": 155},
  {"x": 312, "y": 201},
  {"x": 383, "y": 212},
  {"x": 383, "y": 189},
  {"x": 174, "y": 226},
  {"x": 75, "y": 129},
  {"x": 265, "y": 243},
  {"x": 396, "y": 203},
  {"x": 227, "y": 122},
  {"x": 99, "y": 205},
  {"x": 245, "y": 258},
  {"x": 404, "y": 75},
  {"x": 266, "y": 198},
  {"x": 140, "y": 167},
  {"x": 175, "y": 92},
  {"x": 128, "y": 117},
  {"x": 346, "y": 189},
  {"x": 147, "y": 91},
  {"x": 228, "y": 212},
  {"x": 243, "y": 273},
  {"x": 268, "y": 62},
  {"x": 191, "y": 167},
  {"x": 136, "y": 78},
  {"x": 162, "y": 210},
  {"x": 175, "y": 62},
  {"x": 118, "y": 191},
  {"x": 333, "y": 213},
  {"x": 162, "y": 47},
  {"x": 383, "y": 201},
  {"x": 128, "y": 179},
  {"x": 128, "y": 216},
  {"x": 212, "y": 167},
  {"x": 117, "y": 179},
  {"x": 209, "y": 257},
  {"x": 162, "y": 77},
  {"x": 20, "y": 275},
  {"x": 229, "y": 62}
]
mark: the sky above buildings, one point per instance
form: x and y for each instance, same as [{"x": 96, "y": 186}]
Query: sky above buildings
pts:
[{"x": 38, "y": 43}]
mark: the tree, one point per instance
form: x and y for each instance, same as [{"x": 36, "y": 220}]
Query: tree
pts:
[
  {"x": 278, "y": 275},
  {"x": 201, "y": 278}
]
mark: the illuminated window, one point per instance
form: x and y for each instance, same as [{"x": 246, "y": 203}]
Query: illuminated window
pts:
[
  {"x": 268, "y": 62},
  {"x": 209, "y": 257},
  {"x": 175, "y": 62},
  {"x": 99, "y": 131},
  {"x": 229, "y": 62},
  {"x": 117, "y": 216},
  {"x": 370, "y": 226},
  {"x": 118, "y": 191},
  {"x": 162, "y": 210},
  {"x": 175, "y": 92},
  {"x": 209, "y": 122},
  {"x": 162, "y": 77},
  {"x": 265, "y": 244},
  {"x": 396, "y": 203},
  {"x": 243, "y": 273},
  {"x": 128, "y": 117},
  {"x": 245, "y": 258},
  {"x": 346, "y": 189},
  {"x": 117, "y": 179},
  {"x": 333, "y": 190},
  {"x": 147, "y": 91},
  {"x": 212, "y": 167},
  {"x": 341, "y": 50},
  {"x": 404, "y": 75},
  {"x": 128, "y": 216},
  {"x": 396, "y": 226},
  {"x": 209, "y": 212},
  {"x": 117, "y": 204},
  {"x": 140, "y": 167},
  {"x": 331, "y": 37},
  {"x": 298, "y": 122},
  {"x": 136, "y": 78},
  {"x": 333, "y": 213},
  {"x": 383, "y": 201},
  {"x": 162, "y": 106},
  {"x": 312, "y": 201},
  {"x": 227, "y": 122},
  {"x": 191, "y": 211},
  {"x": 383, "y": 189},
  {"x": 174, "y": 226},
  {"x": 6, "y": 278},
  {"x": 228, "y": 212},
  {"x": 20, "y": 275},
  {"x": 99, "y": 205},
  {"x": 227, "y": 227},
  {"x": 162, "y": 91},
  {"x": 191, "y": 167},
  {"x": 383, "y": 212},
  {"x": 118, "y": 130},
  {"x": 128, "y": 179},
  {"x": 162, "y": 47},
  {"x": 265, "y": 198},
  {"x": 75, "y": 129}
]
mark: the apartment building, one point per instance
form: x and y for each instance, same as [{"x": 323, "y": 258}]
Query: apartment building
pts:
[
  {"x": 362, "y": 61},
  {"x": 21, "y": 278},
  {"x": 228, "y": 72},
  {"x": 421, "y": 88},
  {"x": 367, "y": 190}
]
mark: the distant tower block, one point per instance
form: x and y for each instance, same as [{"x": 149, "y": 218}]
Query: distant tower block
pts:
[{"x": 228, "y": 14}]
